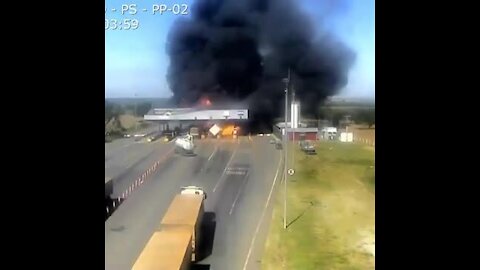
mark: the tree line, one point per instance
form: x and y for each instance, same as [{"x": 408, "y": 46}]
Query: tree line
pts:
[
  {"x": 359, "y": 116},
  {"x": 113, "y": 110}
]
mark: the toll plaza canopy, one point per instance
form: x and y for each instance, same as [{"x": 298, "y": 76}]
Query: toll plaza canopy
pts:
[{"x": 196, "y": 114}]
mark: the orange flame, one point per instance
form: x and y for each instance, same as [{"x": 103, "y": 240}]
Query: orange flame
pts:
[
  {"x": 205, "y": 101},
  {"x": 228, "y": 130}
]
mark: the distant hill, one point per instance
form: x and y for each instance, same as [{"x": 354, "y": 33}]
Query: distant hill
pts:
[
  {"x": 343, "y": 100},
  {"x": 349, "y": 102},
  {"x": 156, "y": 102}
]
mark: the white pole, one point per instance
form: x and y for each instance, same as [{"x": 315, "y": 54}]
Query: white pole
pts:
[
  {"x": 135, "y": 114},
  {"x": 295, "y": 113},
  {"x": 285, "y": 139}
]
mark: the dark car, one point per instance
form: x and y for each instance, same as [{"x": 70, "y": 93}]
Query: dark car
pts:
[
  {"x": 308, "y": 147},
  {"x": 153, "y": 138},
  {"x": 278, "y": 146},
  {"x": 169, "y": 135}
]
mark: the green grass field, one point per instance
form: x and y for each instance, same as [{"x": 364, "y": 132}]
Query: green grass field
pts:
[{"x": 331, "y": 212}]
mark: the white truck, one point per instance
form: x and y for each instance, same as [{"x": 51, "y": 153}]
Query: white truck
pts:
[
  {"x": 184, "y": 145},
  {"x": 329, "y": 133},
  {"x": 195, "y": 132}
]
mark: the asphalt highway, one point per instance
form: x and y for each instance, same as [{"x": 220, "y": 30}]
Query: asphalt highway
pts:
[
  {"x": 127, "y": 159},
  {"x": 238, "y": 177}
]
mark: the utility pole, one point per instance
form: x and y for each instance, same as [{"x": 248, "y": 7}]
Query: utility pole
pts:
[
  {"x": 294, "y": 116},
  {"x": 285, "y": 144},
  {"x": 135, "y": 113},
  {"x": 347, "y": 122}
]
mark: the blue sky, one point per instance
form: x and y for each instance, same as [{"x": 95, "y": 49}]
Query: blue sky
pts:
[{"x": 136, "y": 62}]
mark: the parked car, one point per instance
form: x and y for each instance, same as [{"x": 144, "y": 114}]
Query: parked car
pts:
[
  {"x": 278, "y": 146},
  {"x": 308, "y": 147}
]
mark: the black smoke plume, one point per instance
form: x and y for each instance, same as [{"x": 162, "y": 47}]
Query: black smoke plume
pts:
[{"x": 242, "y": 49}]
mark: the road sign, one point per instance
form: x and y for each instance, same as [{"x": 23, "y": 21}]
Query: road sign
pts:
[
  {"x": 214, "y": 130},
  {"x": 291, "y": 172}
]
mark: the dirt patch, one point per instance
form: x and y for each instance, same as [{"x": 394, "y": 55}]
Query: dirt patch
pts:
[{"x": 350, "y": 218}]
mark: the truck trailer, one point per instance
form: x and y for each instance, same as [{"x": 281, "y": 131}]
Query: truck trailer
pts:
[
  {"x": 186, "y": 210},
  {"x": 109, "y": 208},
  {"x": 167, "y": 249},
  {"x": 108, "y": 187},
  {"x": 174, "y": 244}
]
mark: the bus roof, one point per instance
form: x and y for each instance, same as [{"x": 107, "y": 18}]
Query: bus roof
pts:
[
  {"x": 183, "y": 210},
  {"x": 166, "y": 249}
]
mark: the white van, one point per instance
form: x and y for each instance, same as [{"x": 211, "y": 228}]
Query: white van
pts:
[{"x": 329, "y": 133}]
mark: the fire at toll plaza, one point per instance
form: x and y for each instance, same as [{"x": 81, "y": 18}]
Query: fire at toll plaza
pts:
[{"x": 203, "y": 120}]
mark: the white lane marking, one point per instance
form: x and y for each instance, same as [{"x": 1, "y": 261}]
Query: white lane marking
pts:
[
  {"x": 239, "y": 191},
  {"x": 134, "y": 158},
  {"x": 263, "y": 215},
  {"x": 226, "y": 167},
  {"x": 213, "y": 153},
  {"x": 210, "y": 157},
  {"x": 143, "y": 176}
]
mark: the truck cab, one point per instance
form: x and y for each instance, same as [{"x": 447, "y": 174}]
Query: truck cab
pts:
[
  {"x": 329, "y": 133},
  {"x": 193, "y": 190},
  {"x": 195, "y": 132}
]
